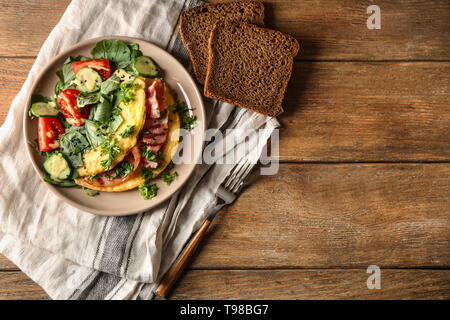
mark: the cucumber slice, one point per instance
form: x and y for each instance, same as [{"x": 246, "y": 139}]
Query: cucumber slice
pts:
[
  {"x": 44, "y": 109},
  {"x": 146, "y": 67},
  {"x": 88, "y": 80},
  {"x": 60, "y": 183},
  {"x": 57, "y": 167}
]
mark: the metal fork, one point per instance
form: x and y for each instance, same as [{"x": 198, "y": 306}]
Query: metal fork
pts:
[{"x": 227, "y": 193}]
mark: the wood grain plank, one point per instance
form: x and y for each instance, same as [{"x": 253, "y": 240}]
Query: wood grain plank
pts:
[
  {"x": 13, "y": 73},
  {"x": 332, "y": 30},
  {"x": 25, "y": 25},
  {"x": 278, "y": 284},
  {"x": 6, "y": 264},
  {"x": 342, "y": 215},
  {"x": 348, "y": 111},
  {"x": 312, "y": 284},
  {"x": 337, "y": 30},
  {"x": 17, "y": 286},
  {"x": 356, "y": 111}
]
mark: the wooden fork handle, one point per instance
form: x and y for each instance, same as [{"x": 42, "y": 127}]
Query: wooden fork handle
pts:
[{"x": 177, "y": 268}]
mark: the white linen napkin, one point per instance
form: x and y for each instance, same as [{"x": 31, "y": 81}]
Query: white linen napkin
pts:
[{"x": 72, "y": 254}]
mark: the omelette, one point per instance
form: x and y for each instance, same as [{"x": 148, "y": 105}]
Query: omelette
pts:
[
  {"x": 133, "y": 114},
  {"x": 111, "y": 123},
  {"x": 167, "y": 151}
]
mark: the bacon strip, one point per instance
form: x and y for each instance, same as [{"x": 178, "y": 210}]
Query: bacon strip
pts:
[
  {"x": 104, "y": 179},
  {"x": 155, "y": 99},
  {"x": 154, "y": 134}
]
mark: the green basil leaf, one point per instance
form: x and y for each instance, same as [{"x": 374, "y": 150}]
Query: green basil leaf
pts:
[
  {"x": 93, "y": 134},
  {"x": 87, "y": 98},
  {"x": 116, "y": 51},
  {"x": 103, "y": 110},
  {"x": 115, "y": 123},
  {"x": 72, "y": 144},
  {"x": 110, "y": 85}
]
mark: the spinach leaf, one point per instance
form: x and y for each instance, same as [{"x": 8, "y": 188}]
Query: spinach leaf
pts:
[
  {"x": 93, "y": 134},
  {"x": 87, "y": 98},
  {"x": 66, "y": 75},
  {"x": 115, "y": 123},
  {"x": 116, "y": 51},
  {"x": 103, "y": 110},
  {"x": 110, "y": 85},
  {"x": 117, "y": 98},
  {"x": 135, "y": 52},
  {"x": 72, "y": 144}
]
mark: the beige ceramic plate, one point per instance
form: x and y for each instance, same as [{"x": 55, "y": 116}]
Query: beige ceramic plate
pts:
[{"x": 129, "y": 202}]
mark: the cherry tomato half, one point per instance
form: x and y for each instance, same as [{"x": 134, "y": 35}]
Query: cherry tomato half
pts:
[
  {"x": 100, "y": 65},
  {"x": 67, "y": 103},
  {"x": 49, "y": 130}
]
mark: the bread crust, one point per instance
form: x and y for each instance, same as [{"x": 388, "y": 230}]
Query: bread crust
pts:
[
  {"x": 212, "y": 54},
  {"x": 191, "y": 13}
]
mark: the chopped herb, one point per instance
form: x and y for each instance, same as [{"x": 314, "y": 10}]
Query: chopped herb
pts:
[
  {"x": 148, "y": 154},
  {"x": 146, "y": 173},
  {"x": 187, "y": 119},
  {"x": 160, "y": 155},
  {"x": 129, "y": 90},
  {"x": 91, "y": 193},
  {"x": 92, "y": 177},
  {"x": 170, "y": 166},
  {"x": 148, "y": 191},
  {"x": 110, "y": 149},
  {"x": 122, "y": 170},
  {"x": 167, "y": 177},
  {"x": 129, "y": 130}
]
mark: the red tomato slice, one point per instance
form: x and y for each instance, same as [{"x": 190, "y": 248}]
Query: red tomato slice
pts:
[
  {"x": 67, "y": 103},
  {"x": 74, "y": 92},
  {"x": 85, "y": 112},
  {"x": 100, "y": 65},
  {"x": 49, "y": 130}
]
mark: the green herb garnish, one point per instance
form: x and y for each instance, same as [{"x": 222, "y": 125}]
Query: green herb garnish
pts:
[
  {"x": 90, "y": 192},
  {"x": 187, "y": 119},
  {"x": 167, "y": 177},
  {"x": 148, "y": 191},
  {"x": 92, "y": 177},
  {"x": 128, "y": 90},
  {"x": 129, "y": 130},
  {"x": 110, "y": 149},
  {"x": 148, "y": 154},
  {"x": 122, "y": 170},
  {"x": 146, "y": 173}
]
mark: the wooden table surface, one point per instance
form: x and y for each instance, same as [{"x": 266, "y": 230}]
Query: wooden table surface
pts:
[{"x": 364, "y": 177}]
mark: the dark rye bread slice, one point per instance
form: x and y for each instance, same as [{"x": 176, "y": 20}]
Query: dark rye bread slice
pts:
[
  {"x": 249, "y": 66},
  {"x": 196, "y": 25}
]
